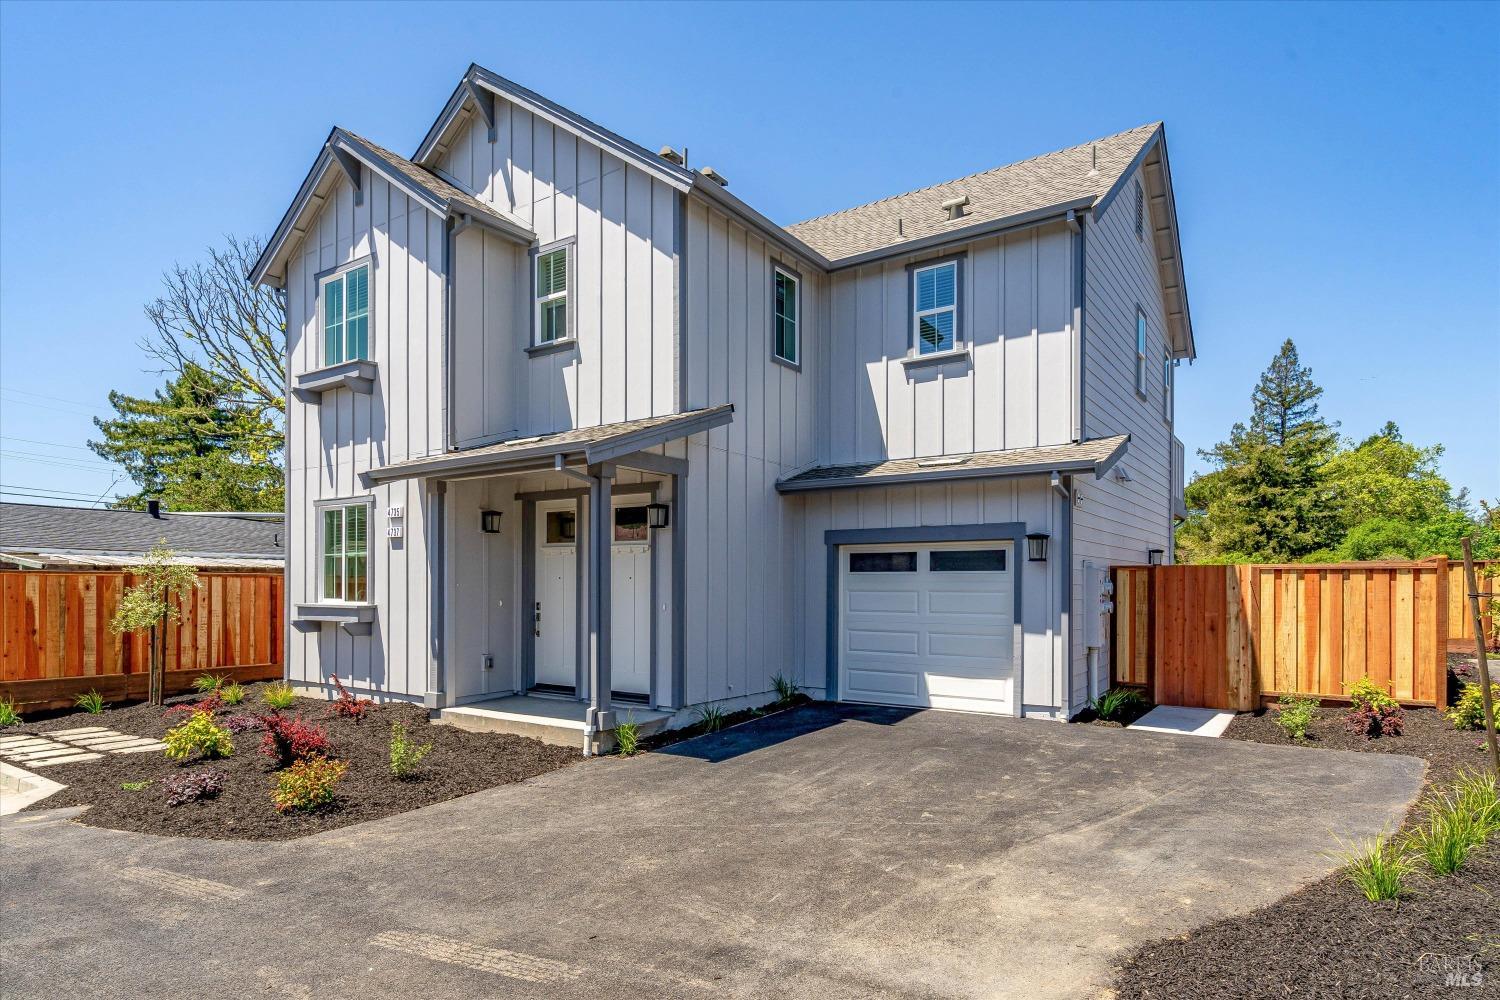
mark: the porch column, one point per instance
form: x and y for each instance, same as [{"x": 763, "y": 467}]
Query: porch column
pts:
[
  {"x": 601, "y": 536},
  {"x": 437, "y": 586}
]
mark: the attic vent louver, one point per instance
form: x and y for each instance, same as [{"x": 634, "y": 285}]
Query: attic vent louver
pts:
[{"x": 955, "y": 207}]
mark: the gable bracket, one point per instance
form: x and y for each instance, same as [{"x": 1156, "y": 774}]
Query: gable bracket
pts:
[
  {"x": 485, "y": 99},
  {"x": 352, "y": 168}
]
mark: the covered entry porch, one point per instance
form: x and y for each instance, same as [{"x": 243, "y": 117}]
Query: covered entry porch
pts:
[{"x": 556, "y": 577}]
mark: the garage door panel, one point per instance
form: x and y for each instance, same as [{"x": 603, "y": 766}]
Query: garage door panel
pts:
[
  {"x": 940, "y": 639},
  {"x": 880, "y": 682},
  {"x": 883, "y": 641},
  {"x": 883, "y": 602}
]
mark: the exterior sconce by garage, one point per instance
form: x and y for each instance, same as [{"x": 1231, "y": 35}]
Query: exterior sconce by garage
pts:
[
  {"x": 1154, "y": 556},
  {"x": 658, "y": 515},
  {"x": 489, "y": 522},
  {"x": 1036, "y": 546}
]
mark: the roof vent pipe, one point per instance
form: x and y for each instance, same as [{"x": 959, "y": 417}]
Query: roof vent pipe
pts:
[
  {"x": 1094, "y": 160},
  {"x": 955, "y": 207},
  {"x": 153, "y": 507}
]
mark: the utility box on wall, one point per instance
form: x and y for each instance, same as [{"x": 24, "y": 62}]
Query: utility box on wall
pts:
[{"x": 1098, "y": 601}]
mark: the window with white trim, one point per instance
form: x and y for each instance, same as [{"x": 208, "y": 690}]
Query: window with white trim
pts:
[
  {"x": 345, "y": 541},
  {"x": 346, "y": 315},
  {"x": 935, "y": 308},
  {"x": 786, "y": 306},
  {"x": 551, "y": 317},
  {"x": 1140, "y": 351},
  {"x": 1166, "y": 386}
]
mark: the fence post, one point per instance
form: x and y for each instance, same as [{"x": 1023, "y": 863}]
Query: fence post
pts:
[
  {"x": 1154, "y": 586},
  {"x": 1440, "y": 679}
]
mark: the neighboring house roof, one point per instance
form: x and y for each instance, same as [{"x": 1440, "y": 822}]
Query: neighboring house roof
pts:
[
  {"x": 343, "y": 152},
  {"x": 81, "y": 536},
  {"x": 601, "y": 443},
  {"x": 1078, "y": 176},
  {"x": 1094, "y": 456}
]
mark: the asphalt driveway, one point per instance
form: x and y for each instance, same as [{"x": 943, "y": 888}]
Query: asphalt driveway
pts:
[{"x": 827, "y": 853}]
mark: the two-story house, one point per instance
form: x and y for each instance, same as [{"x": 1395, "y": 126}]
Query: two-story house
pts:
[{"x": 574, "y": 432}]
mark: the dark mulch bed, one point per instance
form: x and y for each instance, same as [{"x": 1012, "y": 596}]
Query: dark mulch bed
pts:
[
  {"x": 1123, "y": 718},
  {"x": 1326, "y": 940},
  {"x": 460, "y": 762}
]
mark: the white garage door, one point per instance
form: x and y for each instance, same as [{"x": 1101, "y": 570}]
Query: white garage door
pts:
[{"x": 928, "y": 625}]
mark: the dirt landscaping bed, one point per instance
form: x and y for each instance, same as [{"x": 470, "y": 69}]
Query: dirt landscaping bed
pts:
[
  {"x": 460, "y": 762},
  {"x": 1327, "y": 940}
]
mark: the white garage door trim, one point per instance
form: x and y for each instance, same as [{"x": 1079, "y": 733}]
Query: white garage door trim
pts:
[{"x": 954, "y": 693}]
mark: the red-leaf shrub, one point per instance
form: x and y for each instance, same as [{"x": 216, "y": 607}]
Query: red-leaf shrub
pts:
[
  {"x": 1375, "y": 721},
  {"x": 347, "y": 705},
  {"x": 210, "y": 704},
  {"x": 194, "y": 785},
  {"x": 290, "y": 739}
]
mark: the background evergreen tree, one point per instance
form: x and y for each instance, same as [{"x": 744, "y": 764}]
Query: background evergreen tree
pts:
[{"x": 194, "y": 446}]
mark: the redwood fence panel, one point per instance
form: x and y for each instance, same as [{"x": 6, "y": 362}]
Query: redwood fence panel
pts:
[
  {"x": 55, "y": 641},
  {"x": 1460, "y": 617},
  {"x": 1229, "y": 636}
]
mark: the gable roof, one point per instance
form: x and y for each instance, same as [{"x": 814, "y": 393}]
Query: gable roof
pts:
[
  {"x": 1078, "y": 177},
  {"x": 343, "y": 148},
  {"x": 31, "y": 529}
]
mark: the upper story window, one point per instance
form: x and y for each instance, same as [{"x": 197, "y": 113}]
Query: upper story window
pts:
[
  {"x": 1166, "y": 386},
  {"x": 786, "y": 306},
  {"x": 550, "y": 321},
  {"x": 935, "y": 307},
  {"x": 345, "y": 547},
  {"x": 1140, "y": 351},
  {"x": 346, "y": 315}
]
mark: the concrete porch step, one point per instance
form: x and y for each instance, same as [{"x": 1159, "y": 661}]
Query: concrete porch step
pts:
[{"x": 557, "y": 721}]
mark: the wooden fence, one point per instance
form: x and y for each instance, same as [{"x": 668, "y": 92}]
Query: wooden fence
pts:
[
  {"x": 1460, "y": 616},
  {"x": 55, "y": 641},
  {"x": 1229, "y": 636}
]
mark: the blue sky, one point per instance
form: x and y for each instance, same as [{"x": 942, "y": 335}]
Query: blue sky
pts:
[{"x": 1337, "y": 168}]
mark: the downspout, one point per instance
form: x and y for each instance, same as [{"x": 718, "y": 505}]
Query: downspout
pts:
[
  {"x": 597, "y": 718},
  {"x": 1063, "y": 487}
]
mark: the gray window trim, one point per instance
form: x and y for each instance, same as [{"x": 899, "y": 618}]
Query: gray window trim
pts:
[
  {"x": 1140, "y": 338},
  {"x": 571, "y": 246},
  {"x": 835, "y": 538},
  {"x": 960, "y": 339},
  {"x": 795, "y": 364},
  {"x": 319, "y": 506},
  {"x": 319, "y": 279}
]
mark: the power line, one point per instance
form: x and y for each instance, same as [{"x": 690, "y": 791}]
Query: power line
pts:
[
  {"x": 98, "y": 468},
  {"x": 50, "y": 444},
  {"x": 60, "y": 458},
  {"x": 43, "y": 395},
  {"x": 8, "y": 487},
  {"x": 72, "y": 412}
]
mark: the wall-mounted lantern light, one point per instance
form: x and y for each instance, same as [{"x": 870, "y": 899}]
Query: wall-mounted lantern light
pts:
[
  {"x": 489, "y": 522},
  {"x": 658, "y": 515},
  {"x": 1036, "y": 546},
  {"x": 1153, "y": 556}
]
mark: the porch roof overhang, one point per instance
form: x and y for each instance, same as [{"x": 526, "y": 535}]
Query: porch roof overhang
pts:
[
  {"x": 1094, "y": 457},
  {"x": 618, "y": 442}
]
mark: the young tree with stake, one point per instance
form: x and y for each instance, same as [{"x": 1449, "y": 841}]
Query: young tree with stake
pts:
[{"x": 151, "y": 603}]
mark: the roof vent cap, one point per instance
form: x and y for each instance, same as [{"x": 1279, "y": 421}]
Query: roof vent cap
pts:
[
  {"x": 955, "y": 207},
  {"x": 153, "y": 507},
  {"x": 715, "y": 176},
  {"x": 670, "y": 155}
]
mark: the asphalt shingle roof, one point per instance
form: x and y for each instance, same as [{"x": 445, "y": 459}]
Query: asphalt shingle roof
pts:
[
  {"x": 35, "y": 528},
  {"x": 430, "y": 181},
  {"x": 1091, "y": 455},
  {"x": 1084, "y": 171}
]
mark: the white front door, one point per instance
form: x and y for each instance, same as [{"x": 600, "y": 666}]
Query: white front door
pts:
[
  {"x": 630, "y": 600},
  {"x": 930, "y": 625},
  {"x": 555, "y": 614}
]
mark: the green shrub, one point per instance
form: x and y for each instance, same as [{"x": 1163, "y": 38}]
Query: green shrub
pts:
[
  {"x": 1295, "y": 715},
  {"x": 1365, "y": 693},
  {"x": 307, "y": 784},
  {"x": 710, "y": 718},
  {"x": 405, "y": 755},
  {"x": 628, "y": 738},
  {"x": 232, "y": 693},
  {"x": 133, "y": 786},
  {"x": 1478, "y": 794},
  {"x": 278, "y": 695},
  {"x": 1117, "y": 702},
  {"x": 90, "y": 701},
  {"x": 1377, "y": 866},
  {"x": 786, "y": 689},
  {"x": 1468, "y": 711},
  {"x": 1447, "y": 835},
  {"x": 8, "y": 714},
  {"x": 198, "y": 736},
  {"x": 207, "y": 683}
]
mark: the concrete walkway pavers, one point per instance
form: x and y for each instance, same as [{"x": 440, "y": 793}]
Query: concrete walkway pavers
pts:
[
  {"x": 72, "y": 746},
  {"x": 1174, "y": 719},
  {"x": 20, "y": 788}
]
